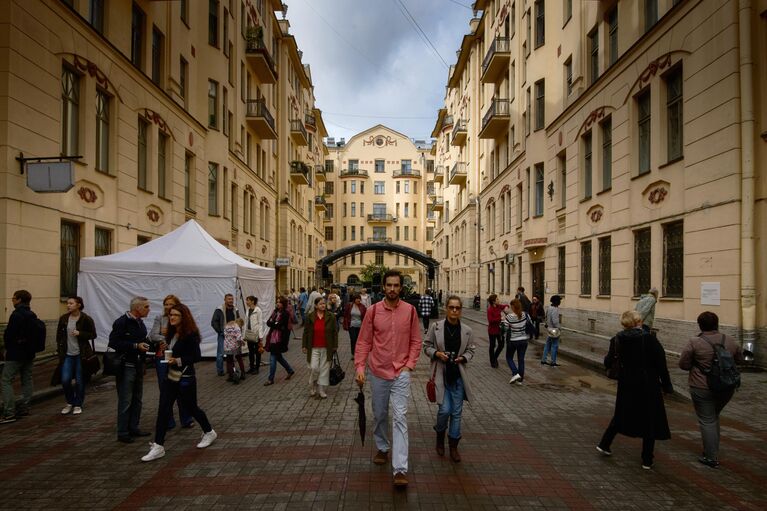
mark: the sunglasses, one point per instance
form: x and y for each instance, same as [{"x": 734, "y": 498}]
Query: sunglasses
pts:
[{"x": 454, "y": 307}]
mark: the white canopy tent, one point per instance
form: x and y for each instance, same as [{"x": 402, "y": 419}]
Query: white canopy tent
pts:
[{"x": 187, "y": 263}]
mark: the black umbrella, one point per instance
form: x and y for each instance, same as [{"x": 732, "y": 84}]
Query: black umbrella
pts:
[{"x": 362, "y": 419}]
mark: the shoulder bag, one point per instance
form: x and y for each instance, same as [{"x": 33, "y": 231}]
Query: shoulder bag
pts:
[
  {"x": 91, "y": 364},
  {"x": 337, "y": 373},
  {"x": 431, "y": 386},
  {"x": 112, "y": 362}
]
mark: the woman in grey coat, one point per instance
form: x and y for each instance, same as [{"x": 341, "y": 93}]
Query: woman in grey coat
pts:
[{"x": 450, "y": 346}]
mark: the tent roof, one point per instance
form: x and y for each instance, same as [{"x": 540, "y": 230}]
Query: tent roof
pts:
[{"x": 188, "y": 250}]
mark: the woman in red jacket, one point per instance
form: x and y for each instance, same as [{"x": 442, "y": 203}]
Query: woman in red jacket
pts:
[
  {"x": 354, "y": 313},
  {"x": 494, "y": 313}
]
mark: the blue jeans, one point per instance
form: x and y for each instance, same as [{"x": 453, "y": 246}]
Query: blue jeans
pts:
[
  {"x": 277, "y": 357},
  {"x": 452, "y": 409},
  {"x": 73, "y": 368},
  {"x": 220, "y": 354},
  {"x": 162, "y": 375},
  {"x": 11, "y": 369},
  {"x": 552, "y": 344},
  {"x": 520, "y": 347},
  {"x": 130, "y": 389}
]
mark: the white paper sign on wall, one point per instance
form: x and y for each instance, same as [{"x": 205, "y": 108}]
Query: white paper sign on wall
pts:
[{"x": 710, "y": 293}]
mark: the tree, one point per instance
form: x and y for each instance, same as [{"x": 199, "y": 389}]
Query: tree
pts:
[{"x": 370, "y": 270}]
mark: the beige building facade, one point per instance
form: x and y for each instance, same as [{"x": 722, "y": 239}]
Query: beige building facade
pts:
[
  {"x": 170, "y": 110},
  {"x": 609, "y": 147}
]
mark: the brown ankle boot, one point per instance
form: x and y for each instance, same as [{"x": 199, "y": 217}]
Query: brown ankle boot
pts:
[
  {"x": 453, "y": 443},
  {"x": 441, "y": 443}
]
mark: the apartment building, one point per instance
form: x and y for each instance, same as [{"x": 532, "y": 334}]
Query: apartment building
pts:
[
  {"x": 376, "y": 190},
  {"x": 598, "y": 149},
  {"x": 170, "y": 110}
]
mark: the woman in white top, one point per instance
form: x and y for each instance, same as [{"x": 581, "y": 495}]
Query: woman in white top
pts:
[
  {"x": 514, "y": 328},
  {"x": 253, "y": 333}
]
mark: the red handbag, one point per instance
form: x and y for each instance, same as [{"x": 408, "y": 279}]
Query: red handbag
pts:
[{"x": 431, "y": 387}]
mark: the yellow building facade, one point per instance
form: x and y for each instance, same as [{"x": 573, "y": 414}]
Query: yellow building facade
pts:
[{"x": 598, "y": 149}]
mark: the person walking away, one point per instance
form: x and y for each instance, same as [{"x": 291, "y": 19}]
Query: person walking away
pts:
[
  {"x": 253, "y": 333},
  {"x": 646, "y": 308},
  {"x": 524, "y": 300},
  {"x": 537, "y": 314},
  {"x": 426, "y": 304},
  {"x": 221, "y": 316},
  {"x": 73, "y": 345},
  {"x": 449, "y": 344},
  {"x": 494, "y": 313},
  {"x": 515, "y": 325},
  {"x": 19, "y": 356},
  {"x": 310, "y": 301},
  {"x": 389, "y": 344},
  {"x": 697, "y": 357},
  {"x": 233, "y": 342},
  {"x": 157, "y": 336},
  {"x": 639, "y": 408},
  {"x": 277, "y": 339},
  {"x": 354, "y": 314},
  {"x": 319, "y": 343},
  {"x": 303, "y": 297},
  {"x": 181, "y": 384},
  {"x": 552, "y": 321},
  {"x": 129, "y": 339}
]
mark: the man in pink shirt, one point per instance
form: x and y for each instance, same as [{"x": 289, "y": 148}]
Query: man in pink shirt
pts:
[{"x": 390, "y": 335}]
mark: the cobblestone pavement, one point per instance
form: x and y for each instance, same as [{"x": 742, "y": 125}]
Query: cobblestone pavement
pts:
[{"x": 528, "y": 446}]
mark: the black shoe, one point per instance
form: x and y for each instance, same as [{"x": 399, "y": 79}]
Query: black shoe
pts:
[
  {"x": 544, "y": 363},
  {"x": 221, "y": 374},
  {"x": 171, "y": 426},
  {"x": 554, "y": 364},
  {"x": 708, "y": 462},
  {"x": 252, "y": 370},
  {"x": 188, "y": 425},
  {"x": 138, "y": 432},
  {"x": 125, "y": 439}
]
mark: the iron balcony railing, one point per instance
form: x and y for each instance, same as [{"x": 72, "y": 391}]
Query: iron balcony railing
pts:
[
  {"x": 258, "y": 108},
  {"x": 459, "y": 129},
  {"x": 353, "y": 172},
  {"x": 499, "y": 44},
  {"x": 310, "y": 120},
  {"x": 255, "y": 44},
  {"x": 320, "y": 200},
  {"x": 406, "y": 173},
  {"x": 299, "y": 167},
  {"x": 380, "y": 217},
  {"x": 498, "y": 107},
  {"x": 379, "y": 240},
  {"x": 298, "y": 126},
  {"x": 459, "y": 169}
]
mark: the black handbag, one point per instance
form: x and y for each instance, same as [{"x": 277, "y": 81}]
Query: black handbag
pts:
[
  {"x": 91, "y": 363},
  {"x": 112, "y": 363},
  {"x": 337, "y": 373}
]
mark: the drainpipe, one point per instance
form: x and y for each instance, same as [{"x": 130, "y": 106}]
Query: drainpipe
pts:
[{"x": 747, "y": 131}]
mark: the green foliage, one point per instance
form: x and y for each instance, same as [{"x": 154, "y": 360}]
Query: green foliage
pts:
[{"x": 370, "y": 269}]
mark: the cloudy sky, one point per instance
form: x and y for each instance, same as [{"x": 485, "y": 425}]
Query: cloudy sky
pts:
[{"x": 370, "y": 65}]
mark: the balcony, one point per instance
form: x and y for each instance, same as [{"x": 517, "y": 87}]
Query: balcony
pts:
[
  {"x": 406, "y": 173},
  {"x": 259, "y": 58},
  {"x": 298, "y": 132},
  {"x": 447, "y": 121},
  {"x": 319, "y": 173},
  {"x": 439, "y": 174},
  {"x": 495, "y": 123},
  {"x": 458, "y": 174},
  {"x": 431, "y": 190},
  {"x": 319, "y": 203},
  {"x": 311, "y": 121},
  {"x": 438, "y": 204},
  {"x": 496, "y": 60},
  {"x": 459, "y": 134},
  {"x": 353, "y": 173},
  {"x": 260, "y": 119},
  {"x": 381, "y": 218},
  {"x": 300, "y": 173},
  {"x": 379, "y": 240}
]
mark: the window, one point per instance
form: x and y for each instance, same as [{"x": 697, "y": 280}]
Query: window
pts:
[
  {"x": 329, "y": 165},
  {"x": 650, "y": 14},
  {"x": 225, "y": 110},
  {"x": 379, "y": 232},
  {"x": 540, "y": 104},
  {"x": 540, "y": 23},
  {"x": 362, "y": 209},
  {"x": 328, "y": 233},
  {"x": 604, "y": 266},
  {"x": 528, "y": 33},
  {"x": 528, "y": 113},
  {"x": 529, "y": 186},
  {"x": 184, "y": 10},
  {"x": 643, "y": 121},
  {"x": 329, "y": 187},
  {"x": 567, "y": 15},
  {"x": 430, "y": 234},
  {"x": 407, "y": 186},
  {"x": 379, "y": 165},
  {"x": 642, "y": 261},
  {"x": 674, "y": 114},
  {"x": 212, "y": 188},
  {"x": 225, "y": 38},
  {"x": 354, "y": 209},
  {"x": 673, "y": 260},
  {"x": 406, "y": 166},
  {"x": 561, "y": 270},
  {"x": 354, "y": 232},
  {"x": 569, "y": 76},
  {"x": 97, "y": 15},
  {"x": 354, "y": 164},
  {"x": 379, "y": 257},
  {"x": 188, "y": 182},
  {"x": 594, "y": 50},
  {"x": 162, "y": 165},
  {"x": 587, "y": 170},
  {"x": 143, "y": 163},
  {"x": 183, "y": 76},
  {"x": 538, "y": 189},
  {"x": 70, "y": 111},
  {"x": 329, "y": 208},
  {"x": 607, "y": 153},
  {"x": 345, "y": 209},
  {"x": 378, "y": 188},
  {"x": 70, "y": 258},
  {"x": 586, "y": 268},
  {"x": 213, "y": 22},
  {"x": 354, "y": 187},
  {"x": 141, "y": 240},
  {"x": 519, "y": 205},
  {"x": 137, "y": 36},
  {"x": 212, "y": 104},
  {"x": 102, "y": 131},
  {"x": 103, "y": 242},
  {"x": 157, "y": 55},
  {"x": 406, "y": 211},
  {"x": 612, "y": 23},
  {"x": 396, "y": 186},
  {"x": 407, "y": 231}
]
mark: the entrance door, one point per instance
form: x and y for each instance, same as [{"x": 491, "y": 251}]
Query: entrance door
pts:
[{"x": 537, "y": 270}]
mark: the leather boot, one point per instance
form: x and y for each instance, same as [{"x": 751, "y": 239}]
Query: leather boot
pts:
[
  {"x": 441, "y": 443},
  {"x": 453, "y": 443}
]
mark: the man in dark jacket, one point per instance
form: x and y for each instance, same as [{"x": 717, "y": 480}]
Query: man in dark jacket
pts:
[
  {"x": 522, "y": 297},
  {"x": 19, "y": 356},
  {"x": 129, "y": 338},
  {"x": 221, "y": 317}
]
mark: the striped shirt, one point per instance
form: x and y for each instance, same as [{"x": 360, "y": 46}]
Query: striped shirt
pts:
[{"x": 514, "y": 326}]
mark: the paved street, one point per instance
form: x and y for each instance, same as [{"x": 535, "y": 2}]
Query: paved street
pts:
[{"x": 524, "y": 447}]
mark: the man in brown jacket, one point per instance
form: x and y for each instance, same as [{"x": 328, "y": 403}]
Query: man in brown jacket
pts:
[{"x": 697, "y": 357}]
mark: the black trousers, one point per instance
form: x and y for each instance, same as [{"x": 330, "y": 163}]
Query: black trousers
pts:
[
  {"x": 186, "y": 392},
  {"x": 648, "y": 444},
  {"x": 254, "y": 357},
  {"x": 495, "y": 352}
]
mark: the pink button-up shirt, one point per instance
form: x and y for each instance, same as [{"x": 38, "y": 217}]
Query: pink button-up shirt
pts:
[{"x": 392, "y": 338}]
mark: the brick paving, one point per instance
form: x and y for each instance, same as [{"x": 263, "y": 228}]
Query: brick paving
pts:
[{"x": 524, "y": 447}]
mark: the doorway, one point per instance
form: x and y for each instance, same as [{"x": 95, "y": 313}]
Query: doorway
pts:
[{"x": 538, "y": 274}]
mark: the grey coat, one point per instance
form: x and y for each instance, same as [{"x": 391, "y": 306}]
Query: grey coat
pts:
[{"x": 434, "y": 342}]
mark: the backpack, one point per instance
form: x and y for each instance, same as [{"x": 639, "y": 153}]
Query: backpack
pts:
[
  {"x": 34, "y": 336},
  {"x": 723, "y": 375}
]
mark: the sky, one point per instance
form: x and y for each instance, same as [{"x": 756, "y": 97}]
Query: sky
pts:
[{"x": 369, "y": 64}]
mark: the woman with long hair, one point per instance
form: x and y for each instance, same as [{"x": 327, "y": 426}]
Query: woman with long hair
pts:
[
  {"x": 515, "y": 326},
  {"x": 494, "y": 316},
  {"x": 73, "y": 335},
  {"x": 277, "y": 339},
  {"x": 183, "y": 339},
  {"x": 354, "y": 313},
  {"x": 320, "y": 342}
]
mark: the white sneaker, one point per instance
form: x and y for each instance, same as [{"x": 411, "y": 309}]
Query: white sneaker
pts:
[
  {"x": 77, "y": 410},
  {"x": 515, "y": 378},
  {"x": 156, "y": 451},
  {"x": 66, "y": 410},
  {"x": 207, "y": 439}
]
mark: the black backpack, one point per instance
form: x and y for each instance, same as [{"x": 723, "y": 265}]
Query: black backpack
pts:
[
  {"x": 37, "y": 334},
  {"x": 723, "y": 375}
]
